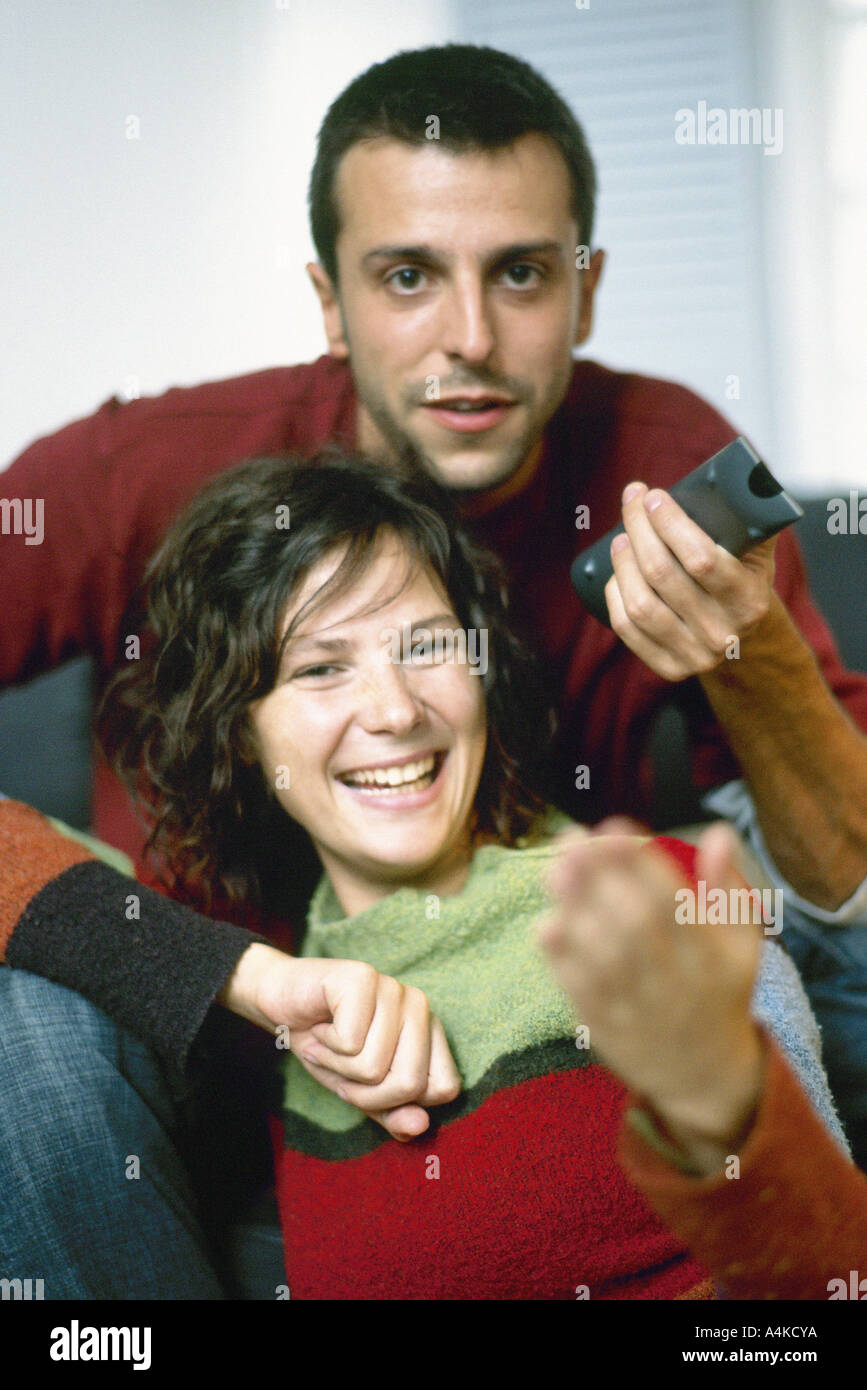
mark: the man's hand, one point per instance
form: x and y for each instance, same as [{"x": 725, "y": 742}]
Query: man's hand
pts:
[
  {"x": 667, "y": 1005},
  {"x": 676, "y": 598},
  {"x": 361, "y": 1034}
]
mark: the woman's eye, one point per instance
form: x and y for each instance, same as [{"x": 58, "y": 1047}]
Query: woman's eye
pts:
[
  {"x": 404, "y": 280},
  {"x": 315, "y": 671}
]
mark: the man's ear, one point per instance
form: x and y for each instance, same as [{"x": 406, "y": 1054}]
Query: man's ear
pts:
[
  {"x": 590, "y": 277},
  {"x": 329, "y": 302}
]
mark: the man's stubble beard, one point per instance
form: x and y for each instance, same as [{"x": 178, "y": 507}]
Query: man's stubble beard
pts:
[{"x": 401, "y": 446}]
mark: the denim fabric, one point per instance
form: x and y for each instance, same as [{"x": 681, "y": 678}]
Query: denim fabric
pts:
[
  {"x": 833, "y": 965},
  {"x": 80, "y": 1101}
]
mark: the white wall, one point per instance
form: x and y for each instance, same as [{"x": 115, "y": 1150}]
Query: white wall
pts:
[
  {"x": 129, "y": 265},
  {"x": 815, "y": 232},
  {"x": 737, "y": 272}
]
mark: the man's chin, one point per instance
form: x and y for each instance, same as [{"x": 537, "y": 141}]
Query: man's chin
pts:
[
  {"x": 470, "y": 474},
  {"x": 471, "y": 470}
]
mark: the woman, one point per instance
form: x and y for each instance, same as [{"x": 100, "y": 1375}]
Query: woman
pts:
[{"x": 313, "y": 628}]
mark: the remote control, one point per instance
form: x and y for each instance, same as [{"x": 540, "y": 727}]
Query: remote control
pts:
[{"x": 733, "y": 496}]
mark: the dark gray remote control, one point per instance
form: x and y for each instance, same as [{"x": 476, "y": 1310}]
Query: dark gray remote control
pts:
[{"x": 733, "y": 497}]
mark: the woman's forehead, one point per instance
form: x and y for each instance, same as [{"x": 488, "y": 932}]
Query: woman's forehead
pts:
[{"x": 392, "y": 575}]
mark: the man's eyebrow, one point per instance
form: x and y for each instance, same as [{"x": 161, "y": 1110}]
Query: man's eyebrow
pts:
[
  {"x": 519, "y": 249},
  {"x": 401, "y": 253},
  {"x": 421, "y": 252}
]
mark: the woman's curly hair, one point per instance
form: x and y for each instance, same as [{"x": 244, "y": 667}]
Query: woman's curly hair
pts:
[{"x": 175, "y": 723}]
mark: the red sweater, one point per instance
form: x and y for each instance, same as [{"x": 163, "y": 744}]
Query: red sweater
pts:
[{"x": 112, "y": 483}]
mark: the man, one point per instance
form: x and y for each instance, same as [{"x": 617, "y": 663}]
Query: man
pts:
[{"x": 452, "y": 302}]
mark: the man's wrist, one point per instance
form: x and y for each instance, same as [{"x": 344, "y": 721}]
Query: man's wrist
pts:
[
  {"x": 803, "y": 757},
  {"x": 773, "y": 641}
]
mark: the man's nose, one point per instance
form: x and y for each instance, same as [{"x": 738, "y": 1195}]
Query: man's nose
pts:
[
  {"x": 387, "y": 703},
  {"x": 467, "y": 330}
]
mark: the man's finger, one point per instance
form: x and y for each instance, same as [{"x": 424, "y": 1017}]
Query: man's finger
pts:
[
  {"x": 653, "y": 560},
  {"x": 669, "y": 661}
]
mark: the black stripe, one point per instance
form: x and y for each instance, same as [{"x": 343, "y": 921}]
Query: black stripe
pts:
[
  {"x": 157, "y": 976},
  {"x": 303, "y": 1136}
]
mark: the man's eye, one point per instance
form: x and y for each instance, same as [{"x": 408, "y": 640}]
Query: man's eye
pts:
[
  {"x": 404, "y": 280},
  {"x": 524, "y": 276}
]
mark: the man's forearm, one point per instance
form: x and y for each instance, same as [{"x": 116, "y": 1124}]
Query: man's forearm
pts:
[{"x": 804, "y": 759}]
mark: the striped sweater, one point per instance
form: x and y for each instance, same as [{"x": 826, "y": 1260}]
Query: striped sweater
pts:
[
  {"x": 515, "y": 1192},
  {"x": 795, "y": 1219}
]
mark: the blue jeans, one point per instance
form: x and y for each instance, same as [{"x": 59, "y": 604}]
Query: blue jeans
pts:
[
  {"x": 832, "y": 962},
  {"x": 120, "y": 1180}
]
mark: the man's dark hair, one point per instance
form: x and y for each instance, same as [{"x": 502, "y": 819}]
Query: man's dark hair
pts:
[
  {"x": 483, "y": 99},
  {"x": 176, "y": 722}
]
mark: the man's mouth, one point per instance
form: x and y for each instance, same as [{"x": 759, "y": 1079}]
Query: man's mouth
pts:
[
  {"x": 470, "y": 403},
  {"x": 396, "y": 778},
  {"x": 470, "y": 413}
]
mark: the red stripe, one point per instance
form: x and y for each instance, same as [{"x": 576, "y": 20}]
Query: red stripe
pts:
[
  {"x": 683, "y": 855},
  {"x": 529, "y": 1203},
  {"x": 33, "y": 854}
]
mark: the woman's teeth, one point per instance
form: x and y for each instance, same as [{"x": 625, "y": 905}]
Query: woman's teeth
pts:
[{"x": 390, "y": 779}]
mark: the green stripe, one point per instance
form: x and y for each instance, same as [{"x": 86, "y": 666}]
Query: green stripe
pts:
[
  {"x": 473, "y": 954},
  {"x": 107, "y": 853}
]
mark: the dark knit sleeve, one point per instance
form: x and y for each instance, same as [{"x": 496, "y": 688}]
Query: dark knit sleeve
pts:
[
  {"x": 153, "y": 965},
  {"x": 784, "y": 1222}
]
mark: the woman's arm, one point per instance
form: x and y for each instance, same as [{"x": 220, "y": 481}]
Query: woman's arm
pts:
[
  {"x": 358, "y": 1032},
  {"x": 780, "y": 1214},
  {"x": 153, "y": 965},
  {"x": 157, "y": 968},
  {"x": 748, "y": 1164}
]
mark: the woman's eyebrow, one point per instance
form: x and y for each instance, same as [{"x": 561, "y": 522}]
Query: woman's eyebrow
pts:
[
  {"x": 334, "y": 644},
  {"x": 331, "y": 644},
  {"x": 437, "y": 617}
]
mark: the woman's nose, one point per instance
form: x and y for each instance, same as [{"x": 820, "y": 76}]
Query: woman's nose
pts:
[{"x": 387, "y": 703}]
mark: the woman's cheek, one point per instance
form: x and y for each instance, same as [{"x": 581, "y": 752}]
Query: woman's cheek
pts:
[{"x": 278, "y": 755}]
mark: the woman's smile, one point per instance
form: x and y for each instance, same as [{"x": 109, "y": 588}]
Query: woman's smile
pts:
[{"x": 408, "y": 782}]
